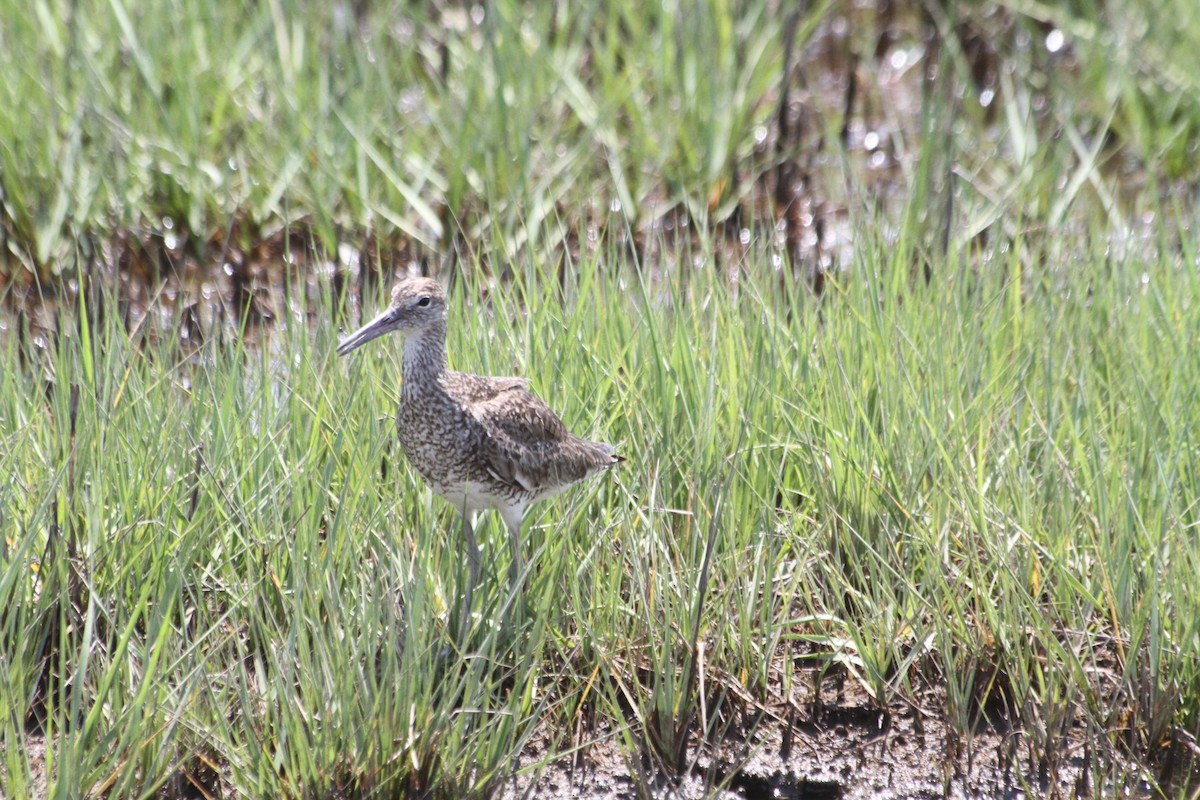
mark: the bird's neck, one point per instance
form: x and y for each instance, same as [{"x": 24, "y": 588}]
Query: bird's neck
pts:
[{"x": 424, "y": 358}]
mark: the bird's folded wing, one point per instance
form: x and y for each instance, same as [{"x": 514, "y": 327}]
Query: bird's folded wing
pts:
[
  {"x": 521, "y": 438},
  {"x": 477, "y": 389}
]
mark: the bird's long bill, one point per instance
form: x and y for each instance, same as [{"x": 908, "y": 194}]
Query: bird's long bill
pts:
[{"x": 382, "y": 324}]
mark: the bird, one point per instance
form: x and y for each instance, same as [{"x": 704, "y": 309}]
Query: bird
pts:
[{"x": 481, "y": 443}]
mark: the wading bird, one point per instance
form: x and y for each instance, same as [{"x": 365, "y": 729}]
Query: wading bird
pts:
[{"x": 479, "y": 442}]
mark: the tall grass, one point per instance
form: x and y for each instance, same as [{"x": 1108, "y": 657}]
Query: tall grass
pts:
[
  {"x": 454, "y": 126},
  {"x": 218, "y": 574},
  {"x": 219, "y": 564}
]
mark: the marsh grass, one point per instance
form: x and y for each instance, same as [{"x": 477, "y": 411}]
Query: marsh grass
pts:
[
  {"x": 218, "y": 574},
  {"x": 220, "y": 561},
  {"x": 452, "y": 128}
]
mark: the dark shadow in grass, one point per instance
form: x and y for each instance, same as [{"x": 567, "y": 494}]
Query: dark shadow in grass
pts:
[{"x": 779, "y": 786}]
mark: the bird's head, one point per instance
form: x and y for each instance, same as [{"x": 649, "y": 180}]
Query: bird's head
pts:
[{"x": 418, "y": 305}]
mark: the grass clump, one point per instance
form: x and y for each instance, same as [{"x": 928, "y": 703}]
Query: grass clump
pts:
[
  {"x": 957, "y": 475},
  {"x": 220, "y": 563},
  {"x": 199, "y": 128}
]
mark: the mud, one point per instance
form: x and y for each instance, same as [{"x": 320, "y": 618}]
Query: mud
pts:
[
  {"x": 850, "y": 750},
  {"x": 844, "y": 749}
]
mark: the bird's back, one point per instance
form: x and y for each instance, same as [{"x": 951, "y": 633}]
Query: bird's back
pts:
[{"x": 496, "y": 436}]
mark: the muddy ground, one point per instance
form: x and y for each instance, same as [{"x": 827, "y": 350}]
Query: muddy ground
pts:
[{"x": 845, "y": 747}]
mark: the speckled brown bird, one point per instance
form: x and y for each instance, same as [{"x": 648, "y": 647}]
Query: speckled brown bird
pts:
[{"x": 479, "y": 442}]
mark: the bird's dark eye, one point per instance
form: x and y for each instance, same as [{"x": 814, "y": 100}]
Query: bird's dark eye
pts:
[{"x": 423, "y": 302}]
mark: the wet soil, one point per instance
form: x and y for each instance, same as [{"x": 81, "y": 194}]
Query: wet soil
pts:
[
  {"x": 846, "y": 748},
  {"x": 850, "y": 749}
]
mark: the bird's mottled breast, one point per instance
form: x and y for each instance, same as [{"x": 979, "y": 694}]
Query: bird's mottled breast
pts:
[{"x": 439, "y": 437}]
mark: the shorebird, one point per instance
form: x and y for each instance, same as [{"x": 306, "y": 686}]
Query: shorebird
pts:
[{"x": 479, "y": 442}]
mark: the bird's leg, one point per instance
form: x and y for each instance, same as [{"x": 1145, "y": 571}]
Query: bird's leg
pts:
[
  {"x": 517, "y": 565},
  {"x": 512, "y": 520},
  {"x": 473, "y": 559}
]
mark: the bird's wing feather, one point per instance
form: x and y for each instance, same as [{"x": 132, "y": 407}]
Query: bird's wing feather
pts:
[
  {"x": 471, "y": 389},
  {"x": 522, "y": 440}
]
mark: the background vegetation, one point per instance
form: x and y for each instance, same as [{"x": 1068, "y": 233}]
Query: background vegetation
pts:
[{"x": 892, "y": 309}]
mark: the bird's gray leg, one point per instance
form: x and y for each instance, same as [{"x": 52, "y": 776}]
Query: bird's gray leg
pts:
[
  {"x": 517, "y": 565},
  {"x": 512, "y": 521},
  {"x": 473, "y": 559}
]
